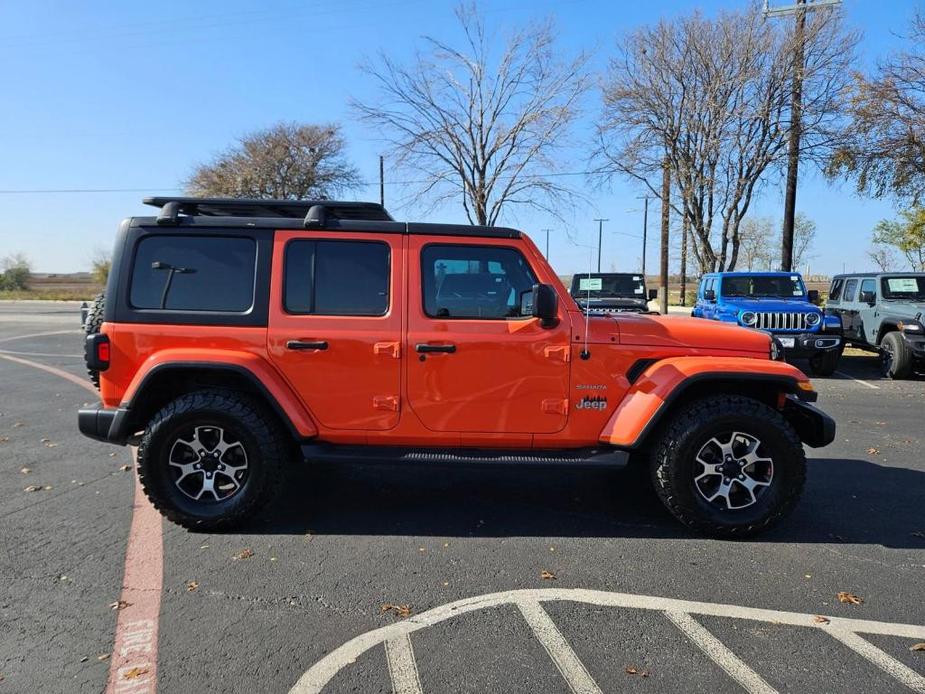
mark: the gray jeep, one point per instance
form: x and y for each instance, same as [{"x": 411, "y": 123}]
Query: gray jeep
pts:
[{"x": 883, "y": 312}]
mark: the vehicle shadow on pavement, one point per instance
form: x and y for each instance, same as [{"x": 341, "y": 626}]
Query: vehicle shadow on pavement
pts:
[{"x": 845, "y": 501}]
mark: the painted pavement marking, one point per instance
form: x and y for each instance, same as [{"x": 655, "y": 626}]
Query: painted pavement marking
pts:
[
  {"x": 845, "y": 630},
  {"x": 403, "y": 668}
]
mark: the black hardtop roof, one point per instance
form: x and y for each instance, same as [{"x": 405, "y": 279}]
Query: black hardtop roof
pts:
[
  {"x": 850, "y": 275},
  {"x": 328, "y": 215}
]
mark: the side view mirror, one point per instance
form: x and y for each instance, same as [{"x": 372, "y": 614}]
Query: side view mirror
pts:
[
  {"x": 813, "y": 296},
  {"x": 653, "y": 294},
  {"x": 869, "y": 298},
  {"x": 544, "y": 304},
  {"x": 710, "y": 295}
]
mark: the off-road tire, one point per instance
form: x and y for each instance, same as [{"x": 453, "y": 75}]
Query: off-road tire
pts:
[
  {"x": 824, "y": 363},
  {"x": 264, "y": 441},
  {"x": 92, "y": 326},
  {"x": 897, "y": 359},
  {"x": 679, "y": 442}
]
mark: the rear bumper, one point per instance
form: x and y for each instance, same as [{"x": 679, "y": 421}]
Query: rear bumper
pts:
[
  {"x": 104, "y": 424},
  {"x": 814, "y": 427}
]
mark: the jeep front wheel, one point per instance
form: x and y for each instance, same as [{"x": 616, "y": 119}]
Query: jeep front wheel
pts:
[
  {"x": 896, "y": 360},
  {"x": 210, "y": 460},
  {"x": 728, "y": 466}
]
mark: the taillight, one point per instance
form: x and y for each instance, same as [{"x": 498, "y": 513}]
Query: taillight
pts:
[{"x": 97, "y": 352}]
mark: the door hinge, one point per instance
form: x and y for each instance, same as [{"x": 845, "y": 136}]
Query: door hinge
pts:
[
  {"x": 560, "y": 353},
  {"x": 386, "y": 402},
  {"x": 555, "y": 406},
  {"x": 389, "y": 349}
]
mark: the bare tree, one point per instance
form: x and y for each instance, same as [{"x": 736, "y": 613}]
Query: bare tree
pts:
[
  {"x": 804, "y": 235},
  {"x": 884, "y": 257},
  {"x": 713, "y": 95},
  {"x": 487, "y": 131},
  {"x": 756, "y": 243},
  {"x": 288, "y": 161},
  {"x": 886, "y": 153}
]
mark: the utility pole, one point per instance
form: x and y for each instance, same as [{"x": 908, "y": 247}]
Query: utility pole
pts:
[
  {"x": 645, "y": 228},
  {"x": 666, "y": 221},
  {"x": 547, "y": 243},
  {"x": 381, "y": 181},
  {"x": 600, "y": 237},
  {"x": 796, "y": 114}
]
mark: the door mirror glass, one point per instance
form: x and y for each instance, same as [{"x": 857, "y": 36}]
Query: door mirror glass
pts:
[
  {"x": 653, "y": 294},
  {"x": 543, "y": 304},
  {"x": 709, "y": 295},
  {"x": 869, "y": 298},
  {"x": 813, "y": 295}
]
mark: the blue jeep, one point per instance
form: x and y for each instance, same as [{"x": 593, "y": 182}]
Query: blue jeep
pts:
[{"x": 777, "y": 303}]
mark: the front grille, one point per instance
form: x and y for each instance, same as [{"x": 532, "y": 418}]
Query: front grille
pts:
[{"x": 782, "y": 321}]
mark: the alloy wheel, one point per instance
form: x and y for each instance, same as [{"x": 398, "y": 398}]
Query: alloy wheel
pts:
[
  {"x": 208, "y": 464},
  {"x": 730, "y": 471}
]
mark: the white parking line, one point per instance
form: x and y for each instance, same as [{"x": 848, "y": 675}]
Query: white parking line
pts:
[
  {"x": 317, "y": 677},
  {"x": 858, "y": 380},
  {"x": 717, "y": 651},
  {"x": 41, "y": 354},
  {"x": 885, "y": 662},
  {"x": 26, "y": 337},
  {"x": 545, "y": 630},
  {"x": 403, "y": 669}
]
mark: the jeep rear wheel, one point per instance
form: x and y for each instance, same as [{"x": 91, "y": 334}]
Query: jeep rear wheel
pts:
[
  {"x": 728, "y": 466},
  {"x": 210, "y": 460},
  {"x": 896, "y": 361}
]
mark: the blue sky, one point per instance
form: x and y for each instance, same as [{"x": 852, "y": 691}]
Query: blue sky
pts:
[{"x": 131, "y": 95}]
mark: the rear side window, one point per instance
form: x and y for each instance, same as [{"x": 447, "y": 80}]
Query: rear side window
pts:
[
  {"x": 337, "y": 278},
  {"x": 194, "y": 273},
  {"x": 851, "y": 287},
  {"x": 484, "y": 282},
  {"x": 835, "y": 291}
]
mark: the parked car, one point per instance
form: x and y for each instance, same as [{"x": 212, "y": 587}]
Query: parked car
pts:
[
  {"x": 239, "y": 336},
  {"x": 777, "y": 303},
  {"x": 611, "y": 292},
  {"x": 883, "y": 312}
]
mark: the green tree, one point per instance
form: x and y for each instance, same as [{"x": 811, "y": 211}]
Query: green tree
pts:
[
  {"x": 16, "y": 270},
  {"x": 100, "y": 265},
  {"x": 906, "y": 234}
]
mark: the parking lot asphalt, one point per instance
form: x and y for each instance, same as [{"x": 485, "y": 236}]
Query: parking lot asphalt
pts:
[{"x": 299, "y": 600}]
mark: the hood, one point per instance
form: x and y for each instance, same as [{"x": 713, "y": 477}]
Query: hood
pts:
[
  {"x": 677, "y": 331},
  {"x": 771, "y": 304},
  {"x": 897, "y": 307}
]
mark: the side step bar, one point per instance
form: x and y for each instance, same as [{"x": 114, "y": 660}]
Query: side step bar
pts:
[{"x": 584, "y": 457}]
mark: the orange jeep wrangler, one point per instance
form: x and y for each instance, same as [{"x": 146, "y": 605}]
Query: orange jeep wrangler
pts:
[{"x": 239, "y": 335}]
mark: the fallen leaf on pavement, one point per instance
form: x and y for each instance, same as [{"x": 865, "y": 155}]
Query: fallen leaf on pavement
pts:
[
  {"x": 33, "y": 488},
  {"x": 25, "y": 470},
  {"x": 245, "y": 553},
  {"x": 400, "y": 611},
  {"x": 873, "y": 451},
  {"x": 632, "y": 670},
  {"x": 49, "y": 444},
  {"x": 125, "y": 468},
  {"x": 850, "y": 598},
  {"x": 119, "y": 605},
  {"x": 103, "y": 656},
  {"x": 191, "y": 586},
  {"x": 16, "y": 425},
  {"x": 135, "y": 673},
  {"x": 4, "y": 439},
  {"x": 84, "y": 659},
  {"x": 917, "y": 647},
  {"x": 547, "y": 575},
  {"x": 819, "y": 619}
]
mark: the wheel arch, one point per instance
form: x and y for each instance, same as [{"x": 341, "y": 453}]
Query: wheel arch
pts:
[
  {"x": 667, "y": 386},
  {"x": 887, "y": 325},
  {"x": 166, "y": 381}
]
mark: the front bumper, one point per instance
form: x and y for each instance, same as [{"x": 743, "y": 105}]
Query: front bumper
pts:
[
  {"x": 808, "y": 344},
  {"x": 916, "y": 345},
  {"x": 104, "y": 424},
  {"x": 814, "y": 427}
]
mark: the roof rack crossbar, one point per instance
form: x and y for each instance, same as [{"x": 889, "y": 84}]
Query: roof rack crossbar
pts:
[
  {"x": 316, "y": 218},
  {"x": 169, "y": 213}
]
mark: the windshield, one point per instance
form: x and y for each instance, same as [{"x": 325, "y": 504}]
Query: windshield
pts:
[
  {"x": 783, "y": 286},
  {"x": 598, "y": 286},
  {"x": 904, "y": 288}
]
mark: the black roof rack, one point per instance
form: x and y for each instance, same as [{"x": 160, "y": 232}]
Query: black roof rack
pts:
[
  {"x": 328, "y": 215},
  {"x": 314, "y": 212}
]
